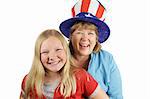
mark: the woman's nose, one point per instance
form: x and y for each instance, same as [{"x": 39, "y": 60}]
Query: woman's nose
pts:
[{"x": 84, "y": 36}]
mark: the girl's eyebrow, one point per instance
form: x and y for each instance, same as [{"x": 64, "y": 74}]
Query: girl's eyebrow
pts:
[{"x": 44, "y": 50}]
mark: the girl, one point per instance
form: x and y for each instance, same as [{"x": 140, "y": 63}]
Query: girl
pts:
[{"x": 52, "y": 76}]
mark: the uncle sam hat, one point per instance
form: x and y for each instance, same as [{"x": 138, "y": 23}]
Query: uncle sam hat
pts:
[{"x": 91, "y": 11}]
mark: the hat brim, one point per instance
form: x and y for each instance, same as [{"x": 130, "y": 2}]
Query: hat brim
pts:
[{"x": 103, "y": 29}]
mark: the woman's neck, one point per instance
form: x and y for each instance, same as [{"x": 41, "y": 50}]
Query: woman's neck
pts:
[{"x": 81, "y": 61}]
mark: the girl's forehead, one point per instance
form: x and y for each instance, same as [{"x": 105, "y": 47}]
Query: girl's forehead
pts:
[
  {"x": 51, "y": 42},
  {"x": 52, "y": 39}
]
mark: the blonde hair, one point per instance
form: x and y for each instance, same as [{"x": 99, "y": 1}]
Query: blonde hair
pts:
[
  {"x": 37, "y": 72},
  {"x": 85, "y": 25}
]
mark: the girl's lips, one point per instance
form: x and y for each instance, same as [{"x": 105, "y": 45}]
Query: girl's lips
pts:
[{"x": 53, "y": 63}]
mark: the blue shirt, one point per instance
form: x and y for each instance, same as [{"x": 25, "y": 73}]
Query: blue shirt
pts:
[{"x": 104, "y": 69}]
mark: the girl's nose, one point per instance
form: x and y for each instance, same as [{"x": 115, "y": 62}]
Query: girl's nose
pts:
[{"x": 51, "y": 56}]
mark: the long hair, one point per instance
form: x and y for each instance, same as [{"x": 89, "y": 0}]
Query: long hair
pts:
[
  {"x": 85, "y": 25},
  {"x": 36, "y": 75}
]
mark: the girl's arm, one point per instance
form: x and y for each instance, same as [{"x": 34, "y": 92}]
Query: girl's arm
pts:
[
  {"x": 99, "y": 94},
  {"x": 21, "y": 95}
]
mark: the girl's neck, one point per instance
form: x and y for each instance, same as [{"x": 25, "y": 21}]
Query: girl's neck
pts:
[{"x": 51, "y": 77}]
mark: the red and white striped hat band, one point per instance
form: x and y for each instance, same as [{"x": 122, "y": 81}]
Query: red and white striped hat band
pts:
[{"x": 90, "y": 6}]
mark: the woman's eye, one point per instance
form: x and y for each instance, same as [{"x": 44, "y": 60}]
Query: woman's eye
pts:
[
  {"x": 78, "y": 33},
  {"x": 90, "y": 33}
]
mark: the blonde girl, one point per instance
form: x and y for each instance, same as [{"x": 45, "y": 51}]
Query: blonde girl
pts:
[{"x": 52, "y": 76}]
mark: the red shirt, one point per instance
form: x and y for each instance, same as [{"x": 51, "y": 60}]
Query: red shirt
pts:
[{"x": 86, "y": 85}]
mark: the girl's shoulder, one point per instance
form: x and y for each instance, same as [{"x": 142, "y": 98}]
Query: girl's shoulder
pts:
[
  {"x": 24, "y": 81},
  {"x": 79, "y": 72},
  {"x": 84, "y": 80},
  {"x": 82, "y": 75}
]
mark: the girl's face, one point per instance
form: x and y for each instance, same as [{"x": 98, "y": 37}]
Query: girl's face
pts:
[
  {"x": 83, "y": 41},
  {"x": 53, "y": 56}
]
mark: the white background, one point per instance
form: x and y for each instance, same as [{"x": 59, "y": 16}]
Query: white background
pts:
[{"x": 21, "y": 21}]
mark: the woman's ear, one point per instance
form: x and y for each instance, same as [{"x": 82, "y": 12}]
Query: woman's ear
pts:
[{"x": 70, "y": 37}]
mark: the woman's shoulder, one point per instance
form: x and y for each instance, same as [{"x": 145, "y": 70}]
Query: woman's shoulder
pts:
[
  {"x": 104, "y": 59},
  {"x": 102, "y": 53},
  {"x": 105, "y": 52}
]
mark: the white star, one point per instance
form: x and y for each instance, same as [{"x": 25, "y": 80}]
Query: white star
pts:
[{"x": 88, "y": 15}]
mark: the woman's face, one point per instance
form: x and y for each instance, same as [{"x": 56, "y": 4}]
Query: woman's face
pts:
[
  {"x": 83, "y": 41},
  {"x": 53, "y": 55}
]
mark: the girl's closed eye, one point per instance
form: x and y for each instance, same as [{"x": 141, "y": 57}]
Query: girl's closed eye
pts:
[
  {"x": 44, "y": 52},
  {"x": 59, "y": 49}
]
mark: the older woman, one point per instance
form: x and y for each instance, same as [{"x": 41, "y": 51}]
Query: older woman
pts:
[{"x": 86, "y": 31}]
